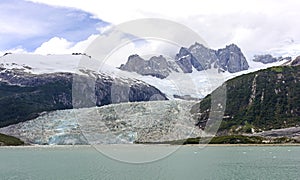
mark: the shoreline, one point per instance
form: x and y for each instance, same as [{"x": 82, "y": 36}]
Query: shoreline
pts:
[
  {"x": 237, "y": 145},
  {"x": 145, "y": 145}
]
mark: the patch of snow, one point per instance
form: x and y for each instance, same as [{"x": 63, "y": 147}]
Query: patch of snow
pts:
[
  {"x": 39, "y": 64},
  {"x": 184, "y": 57}
]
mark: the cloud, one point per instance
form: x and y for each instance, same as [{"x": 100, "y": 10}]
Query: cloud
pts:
[
  {"x": 58, "y": 45},
  {"x": 14, "y": 50},
  {"x": 146, "y": 49},
  {"x": 253, "y": 32},
  {"x": 256, "y": 26},
  {"x": 27, "y": 25},
  {"x": 126, "y": 45},
  {"x": 121, "y": 11},
  {"x": 54, "y": 46}
]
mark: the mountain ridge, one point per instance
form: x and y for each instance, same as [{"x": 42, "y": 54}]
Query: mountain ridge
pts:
[{"x": 197, "y": 57}]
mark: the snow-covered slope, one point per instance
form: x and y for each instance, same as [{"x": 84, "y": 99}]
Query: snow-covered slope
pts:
[
  {"x": 39, "y": 64},
  {"x": 196, "y": 84}
]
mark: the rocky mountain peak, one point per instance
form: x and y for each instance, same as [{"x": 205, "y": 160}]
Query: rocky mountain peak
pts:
[
  {"x": 156, "y": 66},
  {"x": 197, "y": 56},
  {"x": 233, "y": 47},
  {"x": 134, "y": 58},
  {"x": 205, "y": 57},
  {"x": 231, "y": 59},
  {"x": 184, "y": 60}
]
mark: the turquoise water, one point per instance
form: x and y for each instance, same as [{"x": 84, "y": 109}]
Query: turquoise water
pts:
[{"x": 188, "y": 162}]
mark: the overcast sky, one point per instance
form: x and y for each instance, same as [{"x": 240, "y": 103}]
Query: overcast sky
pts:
[{"x": 56, "y": 26}]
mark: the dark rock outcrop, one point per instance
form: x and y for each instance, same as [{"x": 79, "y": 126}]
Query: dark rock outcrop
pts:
[
  {"x": 296, "y": 62},
  {"x": 156, "y": 66},
  {"x": 231, "y": 59},
  {"x": 185, "y": 60},
  {"x": 267, "y": 58},
  {"x": 204, "y": 56}
]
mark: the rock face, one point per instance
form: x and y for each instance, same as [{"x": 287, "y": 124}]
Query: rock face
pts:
[
  {"x": 204, "y": 57},
  {"x": 284, "y": 132},
  {"x": 156, "y": 66},
  {"x": 196, "y": 57},
  {"x": 231, "y": 59},
  {"x": 296, "y": 62},
  {"x": 185, "y": 60},
  {"x": 267, "y": 58},
  {"x": 155, "y": 121},
  {"x": 24, "y": 96}
]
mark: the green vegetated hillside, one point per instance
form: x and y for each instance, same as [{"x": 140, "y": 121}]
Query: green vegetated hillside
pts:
[
  {"x": 262, "y": 100},
  {"x": 6, "y": 140}
]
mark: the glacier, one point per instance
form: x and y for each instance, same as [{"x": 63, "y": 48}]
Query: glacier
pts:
[{"x": 155, "y": 121}]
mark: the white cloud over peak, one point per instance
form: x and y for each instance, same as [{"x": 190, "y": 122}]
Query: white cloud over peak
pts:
[
  {"x": 58, "y": 45},
  {"x": 17, "y": 50},
  {"x": 55, "y": 45}
]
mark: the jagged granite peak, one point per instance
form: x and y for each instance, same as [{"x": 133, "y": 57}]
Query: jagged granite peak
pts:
[
  {"x": 184, "y": 60},
  {"x": 231, "y": 59},
  {"x": 156, "y": 66},
  {"x": 268, "y": 58},
  {"x": 205, "y": 57},
  {"x": 197, "y": 56}
]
